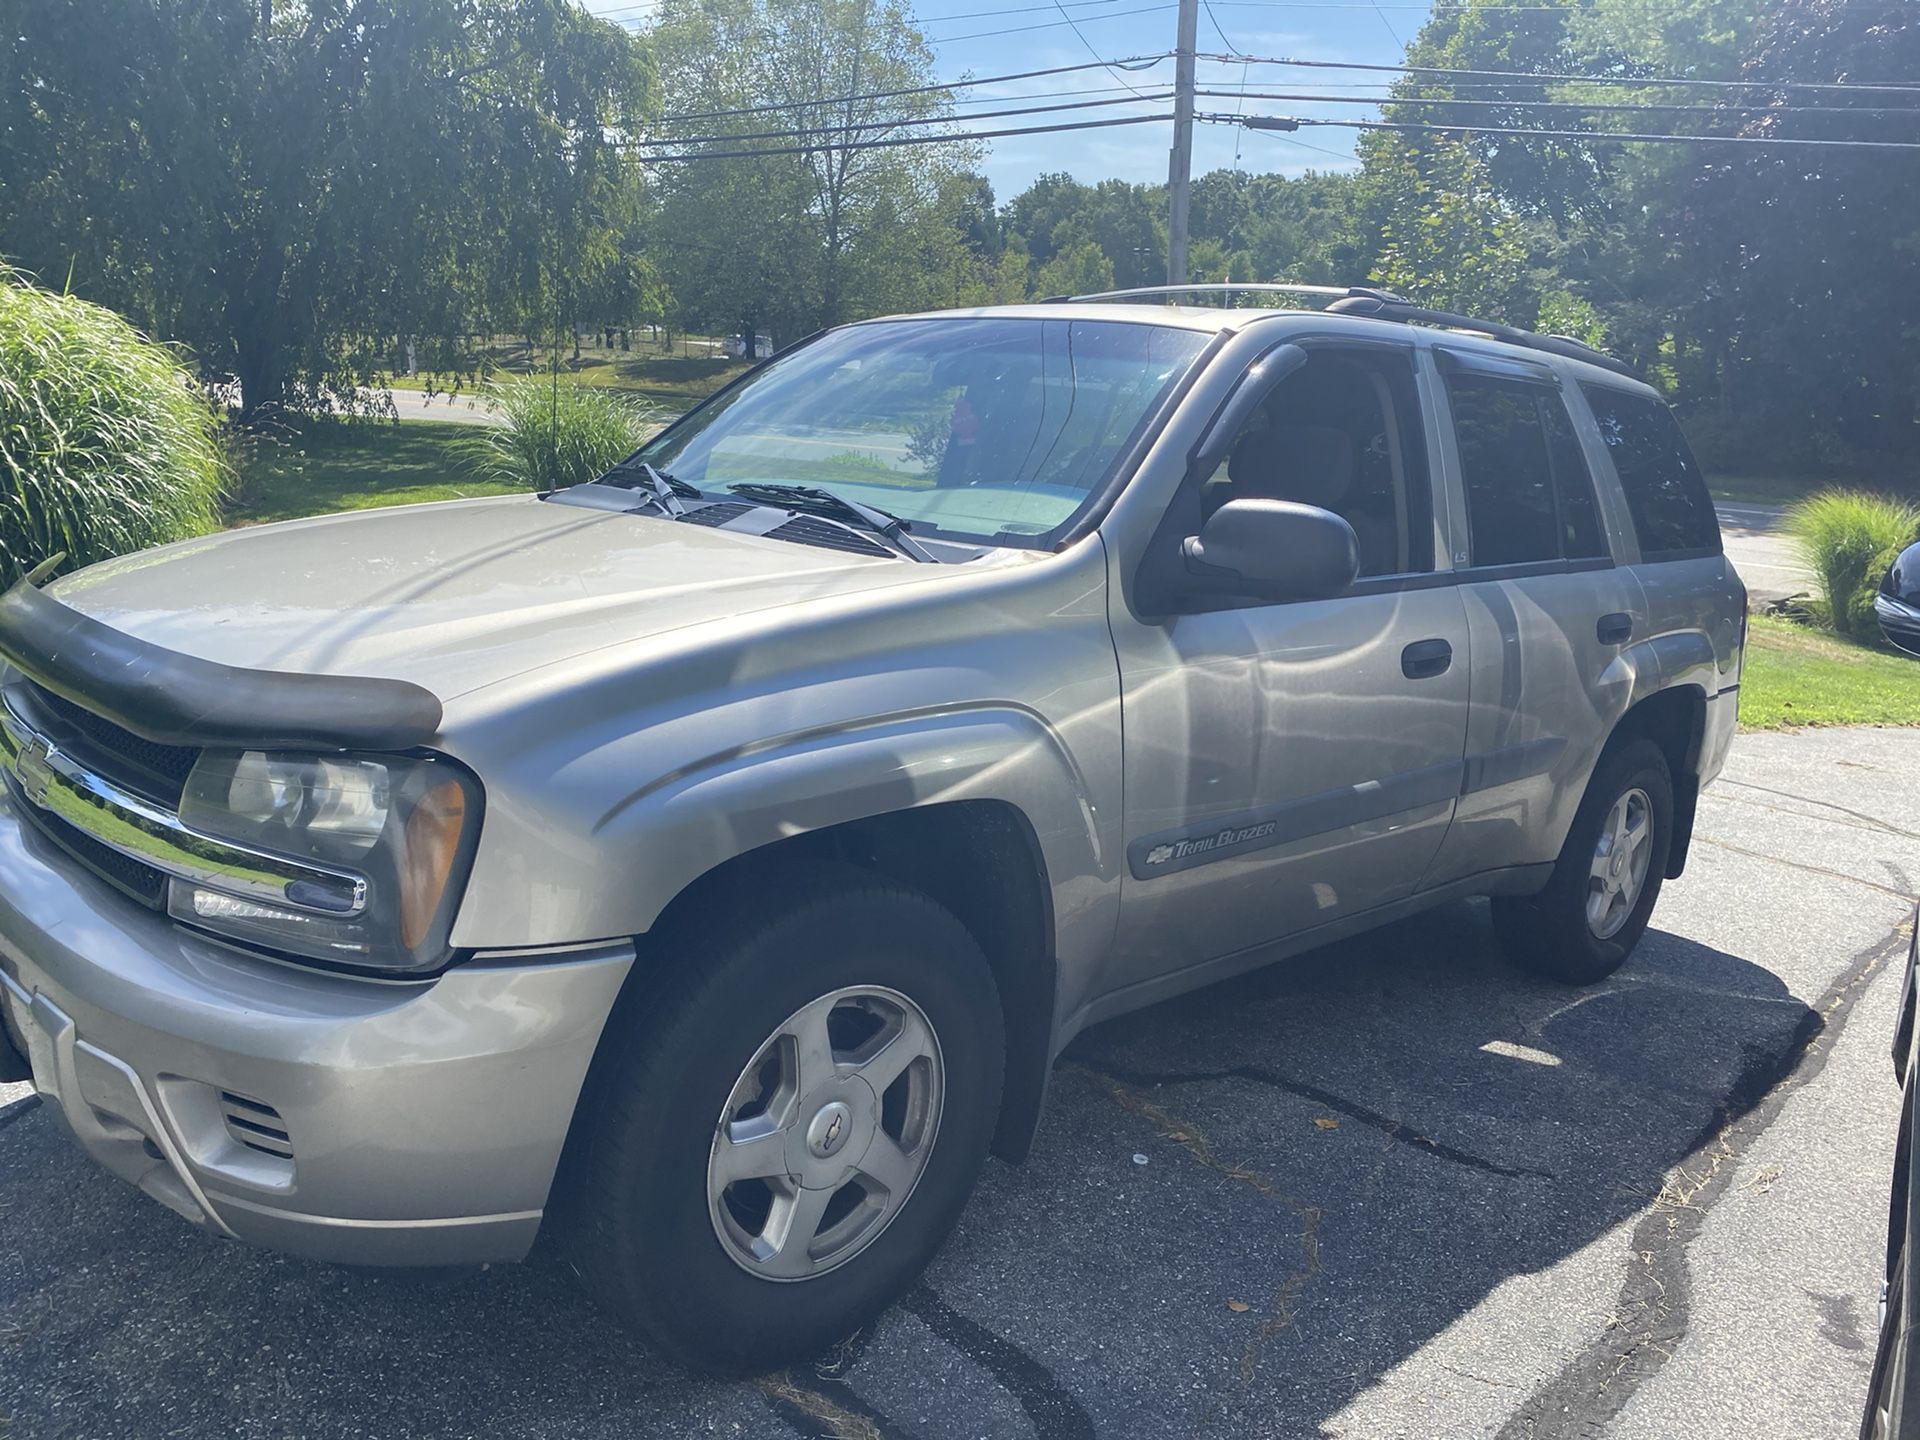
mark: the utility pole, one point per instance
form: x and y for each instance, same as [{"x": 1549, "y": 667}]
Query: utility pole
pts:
[{"x": 1180, "y": 164}]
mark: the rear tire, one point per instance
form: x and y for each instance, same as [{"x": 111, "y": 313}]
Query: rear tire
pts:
[
  {"x": 744, "y": 1200},
  {"x": 1585, "y": 923}
]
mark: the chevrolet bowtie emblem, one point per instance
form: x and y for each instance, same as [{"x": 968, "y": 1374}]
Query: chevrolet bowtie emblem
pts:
[{"x": 35, "y": 772}]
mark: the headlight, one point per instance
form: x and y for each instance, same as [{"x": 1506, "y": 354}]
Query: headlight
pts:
[{"x": 396, "y": 834}]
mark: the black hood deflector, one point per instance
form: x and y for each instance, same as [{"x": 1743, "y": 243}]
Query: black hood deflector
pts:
[{"x": 175, "y": 699}]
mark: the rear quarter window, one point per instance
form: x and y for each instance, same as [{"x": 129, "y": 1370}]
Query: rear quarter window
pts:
[{"x": 1666, "y": 493}]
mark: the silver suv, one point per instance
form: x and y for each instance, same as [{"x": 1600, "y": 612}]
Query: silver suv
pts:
[{"x": 711, "y": 860}]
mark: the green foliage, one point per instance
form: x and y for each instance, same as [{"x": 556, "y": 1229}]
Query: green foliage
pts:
[
  {"x": 1564, "y": 313},
  {"x": 1083, "y": 268},
  {"x": 555, "y": 435},
  {"x": 1448, "y": 239},
  {"x": 295, "y": 200},
  {"x": 1848, "y": 538},
  {"x": 104, "y": 446},
  {"x": 813, "y": 232}
]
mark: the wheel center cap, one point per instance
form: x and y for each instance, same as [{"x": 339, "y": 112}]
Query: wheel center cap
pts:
[{"x": 827, "y": 1132}]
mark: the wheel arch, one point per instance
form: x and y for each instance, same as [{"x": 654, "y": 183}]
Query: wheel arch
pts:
[
  {"x": 982, "y": 860},
  {"x": 1675, "y": 719}
]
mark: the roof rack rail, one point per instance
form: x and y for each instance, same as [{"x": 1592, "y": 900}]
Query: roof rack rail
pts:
[
  {"x": 1229, "y": 287},
  {"x": 1379, "y": 305}
]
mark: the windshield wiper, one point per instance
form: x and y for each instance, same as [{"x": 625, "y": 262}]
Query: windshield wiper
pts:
[
  {"x": 851, "y": 513},
  {"x": 657, "y": 485}
]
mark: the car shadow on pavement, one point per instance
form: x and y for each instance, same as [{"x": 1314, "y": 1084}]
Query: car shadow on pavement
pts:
[{"x": 1245, "y": 1208}]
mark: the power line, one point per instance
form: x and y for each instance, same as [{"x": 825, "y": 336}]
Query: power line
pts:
[
  {"x": 1088, "y": 46},
  {"x": 1131, "y": 61},
  {"x": 1609, "y": 136},
  {"x": 1064, "y": 19},
  {"x": 1010, "y": 10},
  {"x": 1568, "y": 79},
  {"x": 1295, "y": 140},
  {"x": 961, "y": 137},
  {"x": 1910, "y": 112},
  {"x": 895, "y": 122}
]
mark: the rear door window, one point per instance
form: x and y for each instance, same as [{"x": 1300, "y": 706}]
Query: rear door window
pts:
[
  {"x": 1529, "y": 496},
  {"x": 1666, "y": 493}
]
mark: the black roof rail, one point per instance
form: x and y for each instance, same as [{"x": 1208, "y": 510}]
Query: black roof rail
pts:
[
  {"x": 1226, "y": 287},
  {"x": 1380, "y": 305}
]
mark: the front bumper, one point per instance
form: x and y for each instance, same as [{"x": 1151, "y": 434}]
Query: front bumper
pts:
[
  {"x": 342, "y": 1119},
  {"x": 1899, "y": 622}
]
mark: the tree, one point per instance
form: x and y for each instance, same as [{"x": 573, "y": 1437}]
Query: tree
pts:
[
  {"x": 795, "y": 237},
  {"x": 293, "y": 197},
  {"x": 1817, "y": 253},
  {"x": 1124, "y": 221},
  {"x": 1082, "y": 268}
]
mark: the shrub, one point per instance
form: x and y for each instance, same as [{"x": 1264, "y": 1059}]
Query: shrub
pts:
[
  {"x": 552, "y": 437},
  {"x": 104, "y": 445},
  {"x": 1848, "y": 538}
]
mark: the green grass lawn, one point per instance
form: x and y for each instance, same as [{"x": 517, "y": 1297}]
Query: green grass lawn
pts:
[
  {"x": 352, "y": 465},
  {"x": 673, "y": 381},
  {"x": 1798, "y": 676}
]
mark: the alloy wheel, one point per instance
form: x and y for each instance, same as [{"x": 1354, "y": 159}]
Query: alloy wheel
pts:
[{"x": 825, "y": 1133}]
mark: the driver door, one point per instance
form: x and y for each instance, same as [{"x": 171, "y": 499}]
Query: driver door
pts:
[{"x": 1292, "y": 764}]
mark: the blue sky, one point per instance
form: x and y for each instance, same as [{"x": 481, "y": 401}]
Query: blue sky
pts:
[{"x": 1034, "y": 36}]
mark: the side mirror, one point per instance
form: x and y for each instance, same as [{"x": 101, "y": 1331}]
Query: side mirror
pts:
[{"x": 1273, "y": 550}]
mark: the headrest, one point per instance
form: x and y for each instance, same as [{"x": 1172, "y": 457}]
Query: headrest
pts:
[{"x": 1312, "y": 464}]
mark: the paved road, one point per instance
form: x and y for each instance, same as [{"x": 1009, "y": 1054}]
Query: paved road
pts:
[
  {"x": 1764, "y": 557},
  {"x": 1391, "y": 1189},
  {"x": 465, "y": 408}
]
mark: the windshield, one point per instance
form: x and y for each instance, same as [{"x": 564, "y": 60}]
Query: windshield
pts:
[{"x": 1000, "y": 430}]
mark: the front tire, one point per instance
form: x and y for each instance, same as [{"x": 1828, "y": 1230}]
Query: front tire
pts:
[
  {"x": 1584, "y": 924},
  {"x": 779, "y": 1147}
]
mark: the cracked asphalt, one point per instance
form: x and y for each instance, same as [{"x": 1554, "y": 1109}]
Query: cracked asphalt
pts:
[{"x": 1391, "y": 1189}]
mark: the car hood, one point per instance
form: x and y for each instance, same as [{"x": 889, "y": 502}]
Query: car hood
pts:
[{"x": 460, "y": 595}]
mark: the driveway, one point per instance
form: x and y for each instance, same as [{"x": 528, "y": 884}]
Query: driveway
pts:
[{"x": 1390, "y": 1189}]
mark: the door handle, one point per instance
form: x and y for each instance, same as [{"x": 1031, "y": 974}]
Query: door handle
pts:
[
  {"x": 1614, "y": 629},
  {"x": 1424, "y": 659}
]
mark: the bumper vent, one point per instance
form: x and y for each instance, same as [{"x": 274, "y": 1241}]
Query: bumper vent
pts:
[{"x": 256, "y": 1126}]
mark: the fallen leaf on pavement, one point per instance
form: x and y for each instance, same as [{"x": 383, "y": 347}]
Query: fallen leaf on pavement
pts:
[
  {"x": 1326, "y": 1122},
  {"x": 1239, "y": 1307}
]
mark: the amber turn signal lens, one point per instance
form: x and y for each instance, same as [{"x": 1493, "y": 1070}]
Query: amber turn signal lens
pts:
[{"x": 433, "y": 844}]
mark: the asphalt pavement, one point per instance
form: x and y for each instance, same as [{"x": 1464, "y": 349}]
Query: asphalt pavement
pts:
[{"x": 1388, "y": 1189}]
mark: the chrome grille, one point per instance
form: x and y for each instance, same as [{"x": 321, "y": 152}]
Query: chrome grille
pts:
[
  {"x": 123, "y": 872},
  {"x": 157, "y": 771}
]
